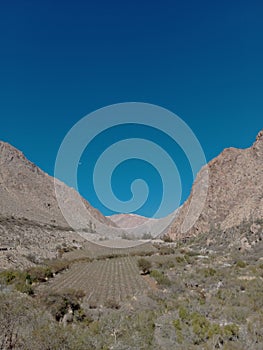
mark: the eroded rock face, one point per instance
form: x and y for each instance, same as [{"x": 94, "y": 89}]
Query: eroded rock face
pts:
[
  {"x": 26, "y": 191},
  {"x": 31, "y": 221},
  {"x": 235, "y": 191}
]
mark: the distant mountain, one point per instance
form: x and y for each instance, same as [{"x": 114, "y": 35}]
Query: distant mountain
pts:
[
  {"x": 136, "y": 226},
  {"x": 31, "y": 221},
  {"x": 128, "y": 220},
  {"x": 235, "y": 192}
]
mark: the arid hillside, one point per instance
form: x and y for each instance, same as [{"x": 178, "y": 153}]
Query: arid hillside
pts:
[
  {"x": 26, "y": 191},
  {"x": 31, "y": 222},
  {"x": 235, "y": 191}
]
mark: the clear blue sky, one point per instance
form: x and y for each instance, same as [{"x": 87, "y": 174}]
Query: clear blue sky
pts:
[{"x": 60, "y": 60}]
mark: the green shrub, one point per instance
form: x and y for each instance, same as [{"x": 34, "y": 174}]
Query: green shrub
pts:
[
  {"x": 180, "y": 259},
  {"x": 160, "y": 278},
  {"x": 179, "y": 336},
  {"x": 166, "y": 250},
  {"x": 209, "y": 272},
  {"x": 177, "y": 325},
  {"x": 8, "y": 276},
  {"x": 184, "y": 314},
  {"x": 200, "y": 326},
  {"x": 39, "y": 274},
  {"x": 231, "y": 331},
  {"x": 241, "y": 264},
  {"x": 24, "y": 288},
  {"x": 167, "y": 239},
  {"x": 59, "y": 303},
  {"x": 57, "y": 265},
  {"x": 144, "y": 265}
]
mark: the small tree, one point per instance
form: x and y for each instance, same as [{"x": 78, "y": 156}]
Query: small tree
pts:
[
  {"x": 166, "y": 238},
  {"x": 144, "y": 265}
]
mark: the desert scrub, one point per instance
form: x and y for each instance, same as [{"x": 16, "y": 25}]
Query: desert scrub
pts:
[
  {"x": 24, "y": 288},
  {"x": 177, "y": 325},
  {"x": 200, "y": 329},
  {"x": 208, "y": 272},
  {"x": 166, "y": 250},
  {"x": 160, "y": 277},
  {"x": 20, "y": 280},
  {"x": 166, "y": 263},
  {"x": 241, "y": 264},
  {"x": 39, "y": 274},
  {"x": 144, "y": 265},
  {"x": 57, "y": 265},
  {"x": 8, "y": 276},
  {"x": 180, "y": 259},
  {"x": 59, "y": 303},
  {"x": 23, "y": 280}
]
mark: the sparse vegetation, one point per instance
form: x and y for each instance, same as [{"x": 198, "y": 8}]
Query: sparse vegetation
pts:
[
  {"x": 160, "y": 278},
  {"x": 187, "y": 298}
]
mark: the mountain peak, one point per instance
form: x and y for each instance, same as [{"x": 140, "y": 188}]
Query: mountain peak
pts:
[
  {"x": 7, "y": 151},
  {"x": 27, "y": 191},
  {"x": 258, "y": 144},
  {"x": 259, "y": 136}
]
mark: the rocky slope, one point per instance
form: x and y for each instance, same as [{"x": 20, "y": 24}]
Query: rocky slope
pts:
[
  {"x": 26, "y": 191},
  {"x": 235, "y": 192},
  {"x": 31, "y": 221}
]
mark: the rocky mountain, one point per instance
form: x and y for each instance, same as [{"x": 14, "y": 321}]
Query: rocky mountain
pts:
[
  {"x": 234, "y": 193},
  {"x": 31, "y": 222},
  {"x": 128, "y": 220},
  {"x": 140, "y": 227},
  {"x": 26, "y": 191},
  {"x": 32, "y": 226}
]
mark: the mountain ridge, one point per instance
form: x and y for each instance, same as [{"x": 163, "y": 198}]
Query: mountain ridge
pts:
[
  {"x": 234, "y": 193},
  {"x": 31, "y": 221}
]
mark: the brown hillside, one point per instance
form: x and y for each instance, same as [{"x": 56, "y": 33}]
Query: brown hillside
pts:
[
  {"x": 235, "y": 191},
  {"x": 31, "y": 222}
]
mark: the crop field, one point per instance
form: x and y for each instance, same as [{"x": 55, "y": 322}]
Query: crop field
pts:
[
  {"x": 102, "y": 281},
  {"x": 93, "y": 250}
]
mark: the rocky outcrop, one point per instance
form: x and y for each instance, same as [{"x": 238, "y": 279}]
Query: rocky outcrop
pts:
[
  {"x": 26, "y": 191},
  {"x": 31, "y": 222},
  {"x": 234, "y": 194}
]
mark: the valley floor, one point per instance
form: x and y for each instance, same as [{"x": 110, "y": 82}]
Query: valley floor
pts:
[{"x": 201, "y": 294}]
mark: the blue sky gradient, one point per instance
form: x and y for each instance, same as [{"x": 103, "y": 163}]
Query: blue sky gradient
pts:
[{"x": 62, "y": 60}]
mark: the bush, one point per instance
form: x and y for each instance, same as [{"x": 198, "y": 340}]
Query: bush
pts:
[
  {"x": 57, "y": 266},
  {"x": 8, "y": 276},
  {"x": 112, "y": 304},
  {"x": 24, "y": 288},
  {"x": 160, "y": 278},
  {"x": 147, "y": 236},
  {"x": 241, "y": 264},
  {"x": 144, "y": 265},
  {"x": 166, "y": 250},
  {"x": 203, "y": 329},
  {"x": 39, "y": 274},
  {"x": 19, "y": 279},
  {"x": 59, "y": 303},
  {"x": 167, "y": 239},
  {"x": 180, "y": 259},
  {"x": 209, "y": 272}
]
